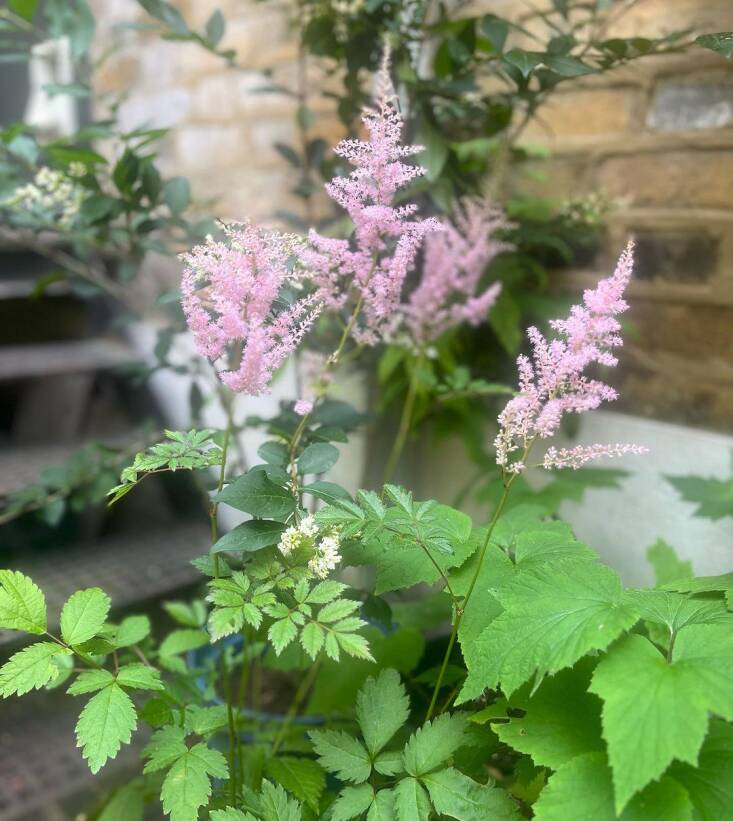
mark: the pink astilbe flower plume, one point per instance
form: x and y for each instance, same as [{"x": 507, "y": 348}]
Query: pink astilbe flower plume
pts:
[
  {"x": 552, "y": 383},
  {"x": 233, "y": 303},
  {"x": 454, "y": 260},
  {"x": 373, "y": 264}
]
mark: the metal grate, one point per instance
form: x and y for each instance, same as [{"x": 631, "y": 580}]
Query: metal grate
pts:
[{"x": 130, "y": 568}]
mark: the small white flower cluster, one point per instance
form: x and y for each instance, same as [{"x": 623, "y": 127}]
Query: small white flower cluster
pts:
[
  {"x": 54, "y": 193},
  {"x": 326, "y": 550}
]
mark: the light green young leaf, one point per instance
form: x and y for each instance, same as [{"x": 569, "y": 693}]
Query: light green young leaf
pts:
[
  {"x": 582, "y": 788},
  {"x": 189, "y": 615},
  {"x": 31, "y": 668},
  {"x": 105, "y": 723},
  {"x": 675, "y": 610},
  {"x": 351, "y": 643},
  {"x": 181, "y": 641},
  {"x": 382, "y": 708},
  {"x": 276, "y": 806},
  {"x": 553, "y": 616},
  {"x": 281, "y": 634},
  {"x": 132, "y": 630},
  {"x": 22, "y": 604},
  {"x": 561, "y": 721},
  {"x": 434, "y": 743},
  {"x": 641, "y": 690},
  {"x": 352, "y": 802},
  {"x": 389, "y": 762},
  {"x": 341, "y": 754},
  {"x": 460, "y": 797},
  {"x": 667, "y": 567},
  {"x": 383, "y": 807},
  {"x": 205, "y": 720},
  {"x": 312, "y": 639},
  {"x": 231, "y": 814},
  {"x": 89, "y": 681},
  {"x": 139, "y": 677},
  {"x": 325, "y": 592},
  {"x": 166, "y": 746},
  {"x": 84, "y": 614},
  {"x": 126, "y": 804},
  {"x": 187, "y": 785},
  {"x": 411, "y": 801},
  {"x": 300, "y": 776},
  {"x": 548, "y": 542}
]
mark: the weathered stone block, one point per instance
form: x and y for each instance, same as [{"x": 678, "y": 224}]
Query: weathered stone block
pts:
[
  {"x": 585, "y": 112},
  {"x": 676, "y": 256},
  {"x": 684, "y": 106}
]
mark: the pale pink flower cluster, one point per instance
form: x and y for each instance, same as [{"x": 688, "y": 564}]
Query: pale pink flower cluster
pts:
[
  {"x": 314, "y": 379},
  {"x": 233, "y": 298},
  {"x": 578, "y": 456},
  {"x": 454, "y": 260},
  {"x": 553, "y": 382},
  {"x": 372, "y": 265}
]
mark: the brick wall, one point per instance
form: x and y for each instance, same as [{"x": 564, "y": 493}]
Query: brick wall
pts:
[{"x": 657, "y": 137}]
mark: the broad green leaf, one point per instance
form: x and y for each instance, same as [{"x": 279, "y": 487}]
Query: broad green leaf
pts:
[
  {"x": 132, "y": 630},
  {"x": 675, "y": 610},
  {"x": 714, "y": 497},
  {"x": 341, "y": 754},
  {"x": 561, "y": 721},
  {"x": 215, "y": 27},
  {"x": 83, "y": 615},
  {"x": 177, "y": 194},
  {"x": 300, "y": 776},
  {"x": 31, "y": 668},
  {"x": 703, "y": 584},
  {"x": 231, "y": 814},
  {"x": 411, "y": 801},
  {"x": 318, "y": 458},
  {"x": 525, "y": 61},
  {"x": 567, "y": 65},
  {"x": 281, "y": 633},
  {"x": 459, "y": 796},
  {"x": 254, "y": 493},
  {"x": 22, "y": 604},
  {"x": 667, "y": 567},
  {"x": 329, "y": 492},
  {"x": 548, "y": 543},
  {"x": 139, "y": 677},
  {"x": 89, "y": 681},
  {"x": 205, "y": 720},
  {"x": 582, "y": 788},
  {"x": 710, "y": 784},
  {"x": 250, "y": 536},
  {"x": 641, "y": 689},
  {"x": 352, "y": 802},
  {"x": 325, "y": 592},
  {"x": 166, "y": 746},
  {"x": 190, "y": 615},
  {"x": 312, "y": 639},
  {"x": 274, "y": 453},
  {"x": 126, "y": 804},
  {"x": 105, "y": 723},
  {"x": 187, "y": 785},
  {"x": 553, "y": 616},
  {"x": 276, "y": 806},
  {"x": 382, "y": 708},
  {"x": 722, "y": 43},
  {"x": 181, "y": 641},
  {"x": 434, "y": 743},
  {"x": 383, "y": 807}
]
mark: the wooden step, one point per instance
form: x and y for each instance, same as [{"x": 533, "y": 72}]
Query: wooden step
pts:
[
  {"x": 23, "y": 287},
  {"x": 22, "y": 466},
  {"x": 132, "y": 568},
  {"x": 59, "y": 358}
]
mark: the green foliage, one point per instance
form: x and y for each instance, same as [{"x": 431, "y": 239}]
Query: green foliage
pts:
[
  {"x": 83, "y": 615},
  {"x": 31, "y": 668},
  {"x": 255, "y": 493},
  {"x": 667, "y": 567},
  {"x": 105, "y": 723},
  {"x": 713, "y": 497},
  {"x": 22, "y": 604}
]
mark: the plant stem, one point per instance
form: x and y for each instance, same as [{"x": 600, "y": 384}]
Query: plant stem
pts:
[
  {"x": 405, "y": 419},
  {"x": 233, "y": 735},
  {"x": 298, "y": 698}
]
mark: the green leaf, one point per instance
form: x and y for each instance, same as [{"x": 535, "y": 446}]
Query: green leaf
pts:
[
  {"x": 231, "y": 814},
  {"x": 582, "y": 788},
  {"x": 177, "y": 194},
  {"x": 215, "y": 27},
  {"x": 190, "y": 615},
  {"x": 525, "y": 61},
  {"x": 181, "y": 641},
  {"x": 459, "y": 796},
  {"x": 22, "y": 604},
  {"x": 561, "y": 721},
  {"x": 276, "y": 806},
  {"x": 411, "y": 801},
  {"x": 382, "y": 708},
  {"x": 383, "y": 808},
  {"x": 434, "y": 743},
  {"x": 299, "y": 776},
  {"x": 24, "y": 8},
  {"x": 710, "y": 784},
  {"x": 721, "y": 43},
  {"x": 352, "y": 802},
  {"x": 31, "y": 668},
  {"x": 553, "y": 616},
  {"x": 187, "y": 785},
  {"x": 317, "y": 458},
  {"x": 675, "y": 610},
  {"x": 641, "y": 690},
  {"x": 89, "y": 681},
  {"x": 568, "y": 66},
  {"x": 84, "y": 614},
  {"x": 435, "y": 150},
  {"x": 329, "y": 492},
  {"x": 132, "y": 630},
  {"x": 667, "y": 567},
  {"x": 166, "y": 746},
  {"x": 254, "y": 493},
  {"x": 312, "y": 639},
  {"x": 274, "y": 453},
  {"x": 341, "y": 754},
  {"x": 281, "y": 634},
  {"x": 713, "y": 497},
  {"x": 703, "y": 584},
  {"x": 105, "y": 723},
  {"x": 126, "y": 804},
  {"x": 139, "y": 677},
  {"x": 250, "y": 536}
]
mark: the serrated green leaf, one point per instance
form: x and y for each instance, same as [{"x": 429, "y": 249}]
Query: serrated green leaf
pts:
[
  {"x": 166, "y": 746},
  {"x": 189, "y": 615},
  {"x": 383, "y": 807},
  {"x": 89, "y": 681},
  {"x": 382, "y": 708},
  {"x": 132, "y": 630},
  {"x": 84, "y": 614},
  {"x": 126, "y": 804},
  {"x": 434, "y": 743},
  {"x": 352, "y": 802},
  {"x": 254, "y": 493},
  {"x": 231, "y": 814},
  {"x": 139, "y": 677},
  {"x": 411, "y": 801},
  {"x": 22, "y": 604},
  {"x": 181, "y": 641},
  {"x": 325, "y": 591},
  {"x": 548, "y": 543},
  {"x": 561, "y": 721},
  {"x": 553, "y": 616},
  {"x": 667, "y": 567},
  {"x": 105, "y": 723},
  {"x": 31, "y": 668},
  {"x": 352, "y": 644},
  {"x": 713, "y": 497},
  {"x": 460, "y": 797},
  {"x": 281, "y": 634},
  {"x": 300, "y": 776},
  {"x": 389, "y": 762},
  {"x": 582, "y": 788},
  {"x": 250, "y": 536},
  {"x": 675, "y": 610},
  {"x": 312, "y": 639},
  {"x": 640, "y": 689},
  {"x": 187, "y": 785},
  {"x": 336, "y": 610},
  {"x": 276, "y": 806},
  {"x": 341, "y": 754}
]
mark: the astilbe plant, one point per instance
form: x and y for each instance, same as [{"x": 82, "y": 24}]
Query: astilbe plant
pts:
[{"x": 578, "y": 698}]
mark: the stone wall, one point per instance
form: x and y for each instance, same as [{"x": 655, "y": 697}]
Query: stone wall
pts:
[{"x": 656, "y": 137}]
